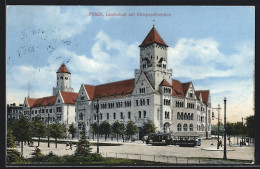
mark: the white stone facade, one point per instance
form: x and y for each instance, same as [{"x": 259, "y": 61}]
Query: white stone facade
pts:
[{"x": 150, "y": 99}]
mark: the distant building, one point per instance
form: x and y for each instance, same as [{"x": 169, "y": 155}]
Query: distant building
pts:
[
  {"x": 14, "y": 111},
  {"x": 60, "y": 107},
  {"x": 173, "y": 106}
]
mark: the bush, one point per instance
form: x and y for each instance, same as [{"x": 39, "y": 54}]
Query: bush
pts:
[
  {"x": 13, "y": 156},
  {"x": 97, "y": 157}
]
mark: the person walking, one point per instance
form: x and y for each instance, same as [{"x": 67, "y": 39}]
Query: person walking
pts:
[{"x": 71, "y": 145}]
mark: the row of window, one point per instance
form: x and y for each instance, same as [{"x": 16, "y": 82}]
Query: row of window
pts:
[
  {"x": 179, "y": 104},
  {"x": 184, "y": 116},
  {"x": 43, "y": 111},
  {"x": 62, "y": 78},
  {"x": 142, "y": 102},
  {"x": 201, "y": 118},
  {"x": 112, "y": 105},
  {"x": 190, "y": 105},
  {"x": 185, "y": 127},
  {"x": 167, "y": 102},
  {"x": 142, "y": 90},
  {"x": 167, "y": 90}
]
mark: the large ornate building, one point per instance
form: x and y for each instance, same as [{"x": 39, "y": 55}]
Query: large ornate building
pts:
[
  {"x": 152, "y": 94},
  {"x": 60, "y": 107}
]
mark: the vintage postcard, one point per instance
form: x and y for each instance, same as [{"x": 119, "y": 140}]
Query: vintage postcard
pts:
[{"x": 130, "y": 85}]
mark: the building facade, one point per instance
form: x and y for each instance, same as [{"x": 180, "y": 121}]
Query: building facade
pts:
[
  {"x": 60, "y": 107},
  {"x": 14, "y": 111},
  {"x": 174, "y": 107}
]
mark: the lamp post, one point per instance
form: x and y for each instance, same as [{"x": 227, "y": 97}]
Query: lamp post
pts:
[
  {"x": 48, "y": 131},
  {"x": 218, "y": 123},
  {"x": 225, "y": 150},
  {"x": 242, "y": 133},
  {"x": 98, "y": 125}
]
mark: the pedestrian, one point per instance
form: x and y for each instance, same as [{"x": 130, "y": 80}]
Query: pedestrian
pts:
[
  {"x": 71, "y": 145},
  {"x": 220, "y": 143},
  {"x": 240, "y": 143},
  {"x": 67, "y": 145}
]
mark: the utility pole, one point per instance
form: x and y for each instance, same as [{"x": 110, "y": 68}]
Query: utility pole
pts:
[
  {"x": 98, "y": 125},
  {"x": 242, "y": 133},
  {"x": 218, "y": 109},
  {"x": 225, "y": 146},
  {"x": 48, "y": 131}
]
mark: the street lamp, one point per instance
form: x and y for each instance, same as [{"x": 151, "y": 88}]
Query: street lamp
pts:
[
  {"x": 243, "y": 139},
  {"x": 225, "y": 148},
  {"x": 97, "y": 107},
  {"x": 218, "y": 123},
  {"x": 48, "y": 131}
]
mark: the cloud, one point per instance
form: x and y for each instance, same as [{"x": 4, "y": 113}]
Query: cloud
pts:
[
  {"x": 187, "y": 54},
  {"x": 58, "y": 21}
]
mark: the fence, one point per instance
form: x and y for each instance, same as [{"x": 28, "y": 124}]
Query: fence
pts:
[{"x": 155, "y": 158}]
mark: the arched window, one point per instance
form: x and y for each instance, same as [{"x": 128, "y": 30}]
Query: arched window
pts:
[
  {"x": 185, "y": 128},
  {"x": 191, "y": 117},
  {"x": 179, "y": 127},
  {"x": 185, "y": 116},
  {"x": 178, "y": 115},
  {"x": 191, "y": 127},
  {"x": 181, "y": 115},
  {"x": 188, "y": 116}
]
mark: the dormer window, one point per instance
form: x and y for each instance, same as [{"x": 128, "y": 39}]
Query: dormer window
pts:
[
  {"x": 66, "y": 78},
  {"x": 61, "y": 77},
  {"x": 191, "y": 95}
]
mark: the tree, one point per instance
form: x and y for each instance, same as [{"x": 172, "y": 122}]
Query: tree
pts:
[
  {"x": 250, "y": 126},
  {"x": 148, "y": 127},
  {"x": 10, "y": 138},
  {"x": 105, "y": 128},
  {"x": 131, "y": 129},
  {"x": 83, "y": 144},
  {"x": 22, "y": 131},
  {"x": 72, "y": 130},
  {"x": 94, "y": 129},
  {"x": 38, "y": 128},
  {"x": 122, "y": 130},
  {"x": 57, "y": 130},
  {"x": 116, "y": 128}
]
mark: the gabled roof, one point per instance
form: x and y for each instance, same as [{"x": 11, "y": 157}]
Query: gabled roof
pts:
[
  {"x": 204, "y": 94},
  {"x": 165, "y": 83},
  {"x": 148, "y": 80},
  {"x": 185, "y": 87},
  {"x": 110, "y": 89},
  {"x": 63, "y": 69},
  {"x": 177, "y": 89},
  {"x": 153, "y": 36},
  {"x": 197, "y": 94},
  {"x": 44, "y": 101},
  {"x": 69, "y": 97}
]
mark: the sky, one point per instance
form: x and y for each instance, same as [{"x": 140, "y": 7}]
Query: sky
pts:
[{"x": 211, "y": 46}]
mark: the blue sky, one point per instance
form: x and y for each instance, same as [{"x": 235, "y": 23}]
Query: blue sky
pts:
[{"x": 211, "y": 46}]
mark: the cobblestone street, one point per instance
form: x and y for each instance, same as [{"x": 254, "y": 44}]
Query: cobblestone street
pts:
[{"x": 149, "y": 152}]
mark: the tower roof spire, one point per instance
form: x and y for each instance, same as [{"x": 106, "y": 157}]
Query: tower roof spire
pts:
[
  {"x": 153, "y": 37},
  {"x": 63, "y": 69}
]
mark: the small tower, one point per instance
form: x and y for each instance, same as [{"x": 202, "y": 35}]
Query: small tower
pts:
[
  {"x": 153, "y": 59},
  {"x": 63, "y": 80}
]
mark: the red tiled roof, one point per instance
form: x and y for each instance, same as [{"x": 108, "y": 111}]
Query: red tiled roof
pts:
[
  {"x": 185, "y": 87},
  {"x": 63, "y": 69},
  {"x": 69, "y": 97},
  {"x": 205, "y": 95},
  {"x": 44, "y": 101},
  {"x": 197, "y": 94},
  {"x": 165, "y": 83},
  {"x": 110, "y": 89},
  {"x": 31, "y": 101},
  {"x": 177, "y": 89},
  {"x": 153, "y": 36}
]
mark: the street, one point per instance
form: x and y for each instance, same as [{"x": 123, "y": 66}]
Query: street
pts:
[{"x": 206, "y": 150}]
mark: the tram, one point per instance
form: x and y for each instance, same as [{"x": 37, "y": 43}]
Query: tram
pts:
[{"x": 164, "y": 139}]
